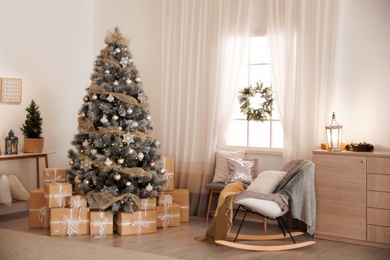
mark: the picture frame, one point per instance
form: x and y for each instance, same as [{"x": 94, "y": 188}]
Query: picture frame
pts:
[{"x": 11, "y": 90}]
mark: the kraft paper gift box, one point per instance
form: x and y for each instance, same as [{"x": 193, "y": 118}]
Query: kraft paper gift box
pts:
[
  {"x": 169, "y": 174},
  {"x": 138, "y": 222},
  {"x": 67, "y": 221},
  {"x": 57, "y": 193},
  {"x": 148, "y": 204},
  {"x": 55, "y": 175},
  {"x": 168, "y": 215},
  {"x": 101, "y": 223},
  {"x": 39, "y": 213},
  {"x": 164, "y": 199},
  {"x": 77, "y": 201},
  {"x": 182, "y": 197}
]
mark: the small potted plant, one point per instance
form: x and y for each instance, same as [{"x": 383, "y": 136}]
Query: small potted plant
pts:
[{"x": 32, "y": 130}]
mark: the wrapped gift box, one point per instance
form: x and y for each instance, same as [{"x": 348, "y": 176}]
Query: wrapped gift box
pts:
[
  {"x": 148, "y": 204},
  {"x": 168, "y": 215},
  {"x": 164, "y": 199},
  {"x": 67, "y": 221},
  {"x": 169, "y": 174},
  {"x": 39, "y": 213},
  {"x": 57, "y": 193},
  {"x": 182, "y": 197},
  {"x": 77, "y": 201},
  {"x": 101, "y": 223},
  {"x": 55, "y": 175},
  {"x": 138, "y": 222}
]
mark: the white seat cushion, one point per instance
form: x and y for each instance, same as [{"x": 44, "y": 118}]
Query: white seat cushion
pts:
[{"x": 267, "y": 208}]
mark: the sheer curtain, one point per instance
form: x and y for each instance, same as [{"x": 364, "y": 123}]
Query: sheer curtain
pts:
[
  {"x": 203, "y": 43},
  {"x": 302, "y": 35}
]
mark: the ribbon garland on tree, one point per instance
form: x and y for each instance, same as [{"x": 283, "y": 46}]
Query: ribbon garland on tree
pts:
[{"x": 265, "y": 107}]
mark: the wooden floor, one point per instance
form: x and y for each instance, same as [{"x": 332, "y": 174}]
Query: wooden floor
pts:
[{"x": 179, "y": 242}]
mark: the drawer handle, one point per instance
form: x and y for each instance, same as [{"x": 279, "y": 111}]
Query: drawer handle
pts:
[{"x": 362, "y": 161}]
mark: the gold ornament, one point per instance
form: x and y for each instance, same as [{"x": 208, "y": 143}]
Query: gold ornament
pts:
[
  {"x": 86, "y": 98},
  {"x": 128, "y": 183},
  {"x": 152, "y": 164},
  {"x": 137, "y": 79},
  {"x": 86, "y": 182},
  {"x": 71, "y": 162},
  {"x": 76, "y": 179},
  {"x": 93, "y": 151},
  {"x": 117, "y": 177},
  {"x": 120, "y": 160}
]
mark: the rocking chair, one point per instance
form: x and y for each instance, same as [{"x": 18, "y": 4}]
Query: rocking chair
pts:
[{"x": 294, "y": 194}]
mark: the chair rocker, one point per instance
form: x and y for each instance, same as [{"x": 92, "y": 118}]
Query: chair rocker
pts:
[{"x": 268, "y": 209}]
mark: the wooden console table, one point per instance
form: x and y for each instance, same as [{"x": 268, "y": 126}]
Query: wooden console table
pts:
[{"x": 19, "y": 156}]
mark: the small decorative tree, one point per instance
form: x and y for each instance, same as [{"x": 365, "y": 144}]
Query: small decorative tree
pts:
[{"x": 32, "y": 129}]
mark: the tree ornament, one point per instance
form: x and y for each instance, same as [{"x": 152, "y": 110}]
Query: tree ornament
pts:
[
  {"x": 149, "y": 187},
  {"x": 94, "y": 97},
  {"x": 128, "y": 81},
  {"x": 128, "y": 183},
  {"x": 134, "y": 124},
  {"x": 93, "y": 152},
  {"x": 129, "y": 111},
  {"x": 110, "y": 98},
  {"x": 107, "y": 162},
  {"x": 115, "y": 117},
  {"x": 152, "y": 164},
  {"x": 85, "y": 143},
  {"x": 120, "y": 161},
  {"x": 104, "y": 119},
  {"x": 86, "y": 181},
  {"x": 117, "y": 176},
  {"x": 77, "y": 180},
  {"x": 107, "y": 71},
  {"x": 265, "y": 101},
  {"x": 142, "y": 98},
  {"x": 140, "y": 156},
  {"x": 86, "y": 98},
  {"x": 156, "y": 144},
  {"x": 124, "y": 61},
  {"x": 118, "y": 50},
  {"x": 149, "y": 117},
  {"x": 137, "y": 79},
  {"x": 71, "y": 162},
  {"x": 86, "y": 165},
  {"x": 131, "y": 151},
  {"x": 116, "y": 83},
  {"x": 163, "y": 170},
  {"x": 128, "y": 138}
]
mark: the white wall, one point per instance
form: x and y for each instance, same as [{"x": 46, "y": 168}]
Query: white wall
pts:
[
  {"x": 362, "y": 101},
  {"x": 48, "y": 44}
]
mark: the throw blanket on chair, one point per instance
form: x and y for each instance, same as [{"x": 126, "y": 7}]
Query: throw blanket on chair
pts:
[{"x": 295, "y": 192}]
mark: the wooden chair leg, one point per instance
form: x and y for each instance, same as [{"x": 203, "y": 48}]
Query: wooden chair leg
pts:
[
  {"x": 209, "y": 205},
  {"x": 265, "y": 224}
]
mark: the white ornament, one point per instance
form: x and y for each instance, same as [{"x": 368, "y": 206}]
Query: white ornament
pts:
[
  {"x": 128, "y": 81},
  {"x": 140, "y": 156},
  {"x": 118, "y": 50},
  {"x": 115, "y": 117},
  {"x": 116, "y": 83},
  {"x": 120, "y": 161},
  {"x": 157, "y": 144},
  {"x": 128, "y": 138},
  {"x": 107, "y": 71},
  {"x": 137, "y": 79},
  {"x": 107, "y": 162},
  {"x": 94, "y": 97},
  {"x": 149, "y": 117},
  {"x": 93, "y": 151},
  {"x": 104, "y": 119},
  {"x": 110, "y": 98},
  {"x": 124, "y": 61},
  {"x": 129, "y": 111},
  {"x": 85, "y": 143},
  {"x": 134, "y": 124},
  {"x": 149, "y": 187},
  {"x": 86, "y": 165},
  {"x": 142, "y": 98},
  {"x": 131, "y": 151}
]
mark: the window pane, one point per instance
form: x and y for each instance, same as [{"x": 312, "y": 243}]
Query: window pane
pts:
[
  {"x": 260, "y": 72},
  {"x": 237, "y": 133},
  {"x": 259, "y": 50},
  {"x": 277, "y": 135},
  {"x": 259, "y": 134}
]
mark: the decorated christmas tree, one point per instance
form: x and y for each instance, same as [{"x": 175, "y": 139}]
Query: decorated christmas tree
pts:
[{"x": 116, "y": 162}]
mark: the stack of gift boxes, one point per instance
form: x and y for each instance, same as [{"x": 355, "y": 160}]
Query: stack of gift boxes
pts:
[{"x": 55, "y": 207}]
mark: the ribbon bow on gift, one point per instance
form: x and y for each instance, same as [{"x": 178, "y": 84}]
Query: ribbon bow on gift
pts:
[
  {"x": 140, "y": 223},
  {"x": 56, "y": 178},
  {"x": 72, "y": 226},
  {"x": 43, "y": 214}
]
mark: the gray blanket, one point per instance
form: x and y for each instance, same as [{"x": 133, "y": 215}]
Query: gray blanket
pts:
[{"x": 295, "y": 192}]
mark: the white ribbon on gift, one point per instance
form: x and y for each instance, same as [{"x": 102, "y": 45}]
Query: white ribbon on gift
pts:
[
  {"x": 79, "y": 203},
  {"x": 56, "y": 178},
  {"x": 60, "y": 197},
  {"x": 101, "y": 224},
  {"x": 43, "y": 215},
  {"x": 166, "y": 219},
  {"x": 71, "y": 225},
  {"x": 138, "y": 222}
]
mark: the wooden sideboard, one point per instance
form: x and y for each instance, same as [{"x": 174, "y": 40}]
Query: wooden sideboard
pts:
[{"x": 353, "y": 197}]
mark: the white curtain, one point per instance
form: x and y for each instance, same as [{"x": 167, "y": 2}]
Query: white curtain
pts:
[
  {"x": 302, "y": 35},
  {"x": 203, "y": 44}
]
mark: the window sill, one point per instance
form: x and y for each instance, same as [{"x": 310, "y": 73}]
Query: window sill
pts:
[{"x": 253, "y": 150}]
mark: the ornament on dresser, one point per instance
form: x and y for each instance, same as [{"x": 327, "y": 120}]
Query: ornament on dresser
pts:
[
  {"x": 32, "y": 129},
  {"x": 359, "y": 147}
]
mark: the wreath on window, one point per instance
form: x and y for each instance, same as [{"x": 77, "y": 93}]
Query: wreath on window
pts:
[{"x": 264, "y": 109}]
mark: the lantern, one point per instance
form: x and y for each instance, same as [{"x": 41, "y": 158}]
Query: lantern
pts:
[
  {"x": 11, "y": 143},
  {"x": 333, "y": 135}
]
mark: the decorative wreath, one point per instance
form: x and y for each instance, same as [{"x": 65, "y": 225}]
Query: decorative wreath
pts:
[{"x": 258, "y": 114}]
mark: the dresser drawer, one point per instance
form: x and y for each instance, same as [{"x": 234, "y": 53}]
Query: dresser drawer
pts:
[
  {"x": 377, "y": 199},
  {"x": 378, "y": 165},
  {"x": 378, "y": 182},
  {"x": 379, "y": 217},
  {"x": 378, "y": 234}
]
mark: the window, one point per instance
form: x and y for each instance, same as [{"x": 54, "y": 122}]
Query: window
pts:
[{"x": 251, "y": 134}]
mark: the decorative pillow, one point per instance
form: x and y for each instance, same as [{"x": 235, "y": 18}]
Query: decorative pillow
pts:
[
  {"x": 18, "y": 192},
  {"x": 241, "y": 170},
  {"x": 5, "y": 192},
  {"x": 267, "y": 181},
  {"x": 221, "y": 163}
]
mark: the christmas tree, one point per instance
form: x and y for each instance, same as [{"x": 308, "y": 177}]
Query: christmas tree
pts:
[{"x": 116, "y": 162}]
